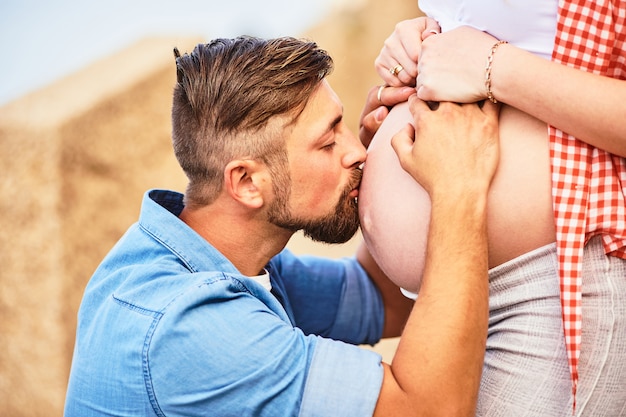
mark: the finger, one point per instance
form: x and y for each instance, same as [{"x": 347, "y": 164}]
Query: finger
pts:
[
  {"x": 383, "y": 62},
  {"x": 411, "y": 47},
  {"x": 370, "y": 123},
  {"x": 423, "y": 92},
  {"x": 391, "y": 55},
  {"x": 417, "y": 105},
  {"x": 371, "y": 102},
  {"x": 406, "y": 53},
  {"x": 407, "y": 57},
  {"x": 491, "y": 109},
  {"x": 402, "y": 143},
  {"x": 375, "y": 111},
  {"x": 408, "y": 73},
  {"x": 390, "y": 96},
  {"x": 391, "y": 74},
  {"x": 432, "y": 28}
]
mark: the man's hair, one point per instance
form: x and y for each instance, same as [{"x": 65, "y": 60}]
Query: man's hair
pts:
[{"x": 226, "y": 92}]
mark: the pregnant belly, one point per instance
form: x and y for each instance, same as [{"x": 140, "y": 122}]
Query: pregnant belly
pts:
[{"x": 395, "y": 210}]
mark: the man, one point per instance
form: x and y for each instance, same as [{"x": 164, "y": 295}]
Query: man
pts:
[{"x": 199, "y": 310}]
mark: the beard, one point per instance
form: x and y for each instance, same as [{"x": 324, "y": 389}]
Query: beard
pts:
[{"x": 338, "y": 226}]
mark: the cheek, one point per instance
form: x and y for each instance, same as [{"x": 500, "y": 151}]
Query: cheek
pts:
[{"x": 317, "y": 188}]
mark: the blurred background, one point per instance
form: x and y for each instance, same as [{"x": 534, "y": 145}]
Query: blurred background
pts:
[
  {"x": 45, "y": 40},
  {"x": 84, "y": 131}
]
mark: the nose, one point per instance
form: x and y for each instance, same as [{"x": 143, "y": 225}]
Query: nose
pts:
[{"x": 355, "y": 151}]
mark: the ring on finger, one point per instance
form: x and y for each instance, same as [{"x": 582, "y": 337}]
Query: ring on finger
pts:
[
  {"x": 380, "y": 93},
  {"x": 396, "y": 70}
]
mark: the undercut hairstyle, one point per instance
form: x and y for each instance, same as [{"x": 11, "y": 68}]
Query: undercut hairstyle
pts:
[{"x": 226, "y": 92}]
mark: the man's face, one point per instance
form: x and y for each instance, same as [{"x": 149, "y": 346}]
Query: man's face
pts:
[{"x": 318, "y": 194}]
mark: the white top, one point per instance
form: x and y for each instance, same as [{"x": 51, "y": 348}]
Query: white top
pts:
[
  {"x": 527, "y": 24},
  {"x": 263, "y": 279}
]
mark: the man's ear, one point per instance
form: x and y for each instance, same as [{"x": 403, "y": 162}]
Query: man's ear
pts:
[{"x": 246, "y": 181}]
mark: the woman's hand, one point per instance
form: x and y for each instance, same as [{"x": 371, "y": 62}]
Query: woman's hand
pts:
[
  {"x": 379, "y": 100},
  {"x": 402, "y": 50},
  {"x": 452, "y": 65}
]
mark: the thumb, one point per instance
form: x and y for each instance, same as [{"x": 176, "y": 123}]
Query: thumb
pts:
[{"x": 402, "y": 143}]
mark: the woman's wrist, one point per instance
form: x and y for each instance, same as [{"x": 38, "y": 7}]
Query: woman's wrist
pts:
[
  {"x": 489, "y": 70},
  {"x": 516, "y": 78}
]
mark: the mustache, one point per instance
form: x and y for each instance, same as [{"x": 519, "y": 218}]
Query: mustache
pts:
[{"x": 355, "y": 179}]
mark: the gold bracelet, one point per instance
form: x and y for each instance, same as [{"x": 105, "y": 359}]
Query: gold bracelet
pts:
[{"x": 488, "y": 71}]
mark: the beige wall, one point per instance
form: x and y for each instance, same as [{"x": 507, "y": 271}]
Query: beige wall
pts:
[{"x": 76, "y": 158}]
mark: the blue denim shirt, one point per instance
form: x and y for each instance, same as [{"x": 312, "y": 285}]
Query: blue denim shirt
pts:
[{"x": 169, "y": 327}]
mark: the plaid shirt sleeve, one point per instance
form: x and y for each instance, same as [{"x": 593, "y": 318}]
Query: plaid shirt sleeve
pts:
[{"x": 588, "y": 184}]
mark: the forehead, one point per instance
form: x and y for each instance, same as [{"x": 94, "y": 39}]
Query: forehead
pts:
[
  {"x": 322, "y": 97},
  {"x": 319, "y": 115}
]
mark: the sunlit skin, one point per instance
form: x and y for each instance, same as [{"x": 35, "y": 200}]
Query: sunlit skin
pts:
[
  {"x": 324, "y": 159},
  {"x": 395, "y": 209}
]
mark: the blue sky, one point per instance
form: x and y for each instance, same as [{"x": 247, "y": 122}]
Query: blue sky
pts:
[{"x": 43, "y": 40}]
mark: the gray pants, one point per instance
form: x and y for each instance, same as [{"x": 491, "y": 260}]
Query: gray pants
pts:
[{"x": 526, "y": 371}]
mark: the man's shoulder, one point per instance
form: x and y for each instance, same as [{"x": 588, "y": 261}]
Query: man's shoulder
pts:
[{"x": 162, "y": 284}]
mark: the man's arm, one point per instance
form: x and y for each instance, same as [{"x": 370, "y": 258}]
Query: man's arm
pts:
[
  {"x": 397, "y": 306},
  {"x": 438, "y": 363}
]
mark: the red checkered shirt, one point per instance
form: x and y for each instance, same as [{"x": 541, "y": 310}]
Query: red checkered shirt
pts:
[{"x": 589, "y": 184}]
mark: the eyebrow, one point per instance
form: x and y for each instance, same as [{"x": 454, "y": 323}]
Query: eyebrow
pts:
[
  {"x": 329, "y": 128},
  {"x": 335, "y": 121}
]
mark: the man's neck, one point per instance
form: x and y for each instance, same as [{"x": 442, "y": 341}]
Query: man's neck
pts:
[{"x": 242, "y": 237}]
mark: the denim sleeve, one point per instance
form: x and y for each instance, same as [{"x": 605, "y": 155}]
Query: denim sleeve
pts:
[
  {"x": 343, "y": 380},
  {"x": 225, "y": 349},
  {"x": 330, "y": 298}
]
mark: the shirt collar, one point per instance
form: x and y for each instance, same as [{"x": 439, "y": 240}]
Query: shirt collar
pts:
[{"x": 159, "y": 217}]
